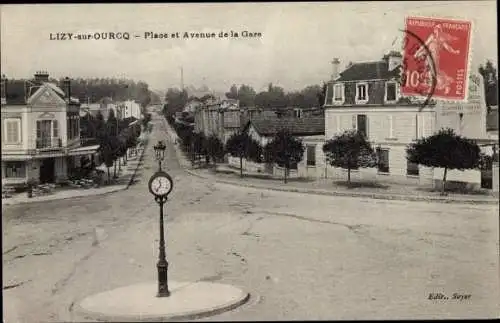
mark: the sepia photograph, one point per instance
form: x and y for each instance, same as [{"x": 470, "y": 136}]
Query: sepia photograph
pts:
[{"x": 250, "y": 161}]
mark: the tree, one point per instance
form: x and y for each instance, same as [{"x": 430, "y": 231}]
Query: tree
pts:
[
  {"x": 146, "y": 119},
  {"x": 490, "y": 77},
  {"x": 284, "y": 150},
  {"x": 111, "y": 137},
  {"x": 242, "y": 145},
  {"x": 350, "y": 150},
  {"x": 214, "y": 148},
  {"x": 447, "y": 150},
  {"x": 233, "y": 92},
  {"x": 100, "y": 127},
  {"x": 322, "y": 95},
  {"x": 274, "y": 98},
  {"x": 246, "y": 96},
  {"x": 108, "y": 155},
  {"x": 197, "y": 144},
  {"x": 175, "y": 101}
]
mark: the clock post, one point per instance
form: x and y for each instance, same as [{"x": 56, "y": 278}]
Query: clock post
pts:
[{"x": 160, "y": 185}]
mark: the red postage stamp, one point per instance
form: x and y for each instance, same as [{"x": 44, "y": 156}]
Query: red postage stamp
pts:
[{"x": 436, "y": 58}]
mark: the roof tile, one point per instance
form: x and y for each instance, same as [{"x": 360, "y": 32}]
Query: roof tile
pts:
[
  {"x": 367, "y": 71},
  {"x": 297, "y": 126}
]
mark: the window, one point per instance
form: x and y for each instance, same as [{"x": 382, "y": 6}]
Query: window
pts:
[
  {"x": 383, "y": 160},
  {"x": 311, "y": 155},
  {"x": 412, "y": 169},
  {"x": 362, "y": 124},
  {"x": 13, "y": 131},
  {"x": 390, "y": 92},
  {"x": 338, "y": 93},
  {"x": 43, "y": 133},
  {"x": 361, "y": 93},
  {"x": 15, "y": 170},
  {"x": 55, "y": 129}
]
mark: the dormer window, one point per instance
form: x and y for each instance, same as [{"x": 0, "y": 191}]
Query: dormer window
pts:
[
  {"x": 338, "y": 93},
  {"x": 362, "y": 93},
  {"x": 391, "y": 92}
]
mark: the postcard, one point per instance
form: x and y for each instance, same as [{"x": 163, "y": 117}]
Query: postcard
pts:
[{"x": 250, "y": 161}]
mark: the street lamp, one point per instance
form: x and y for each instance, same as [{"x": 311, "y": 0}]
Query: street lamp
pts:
[
  {"x": 160, "y": 185},
  {"x": 160, "y": 153}
]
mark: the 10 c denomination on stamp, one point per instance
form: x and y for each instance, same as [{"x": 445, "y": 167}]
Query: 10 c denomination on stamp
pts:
[{"x": 439, "y": 63}]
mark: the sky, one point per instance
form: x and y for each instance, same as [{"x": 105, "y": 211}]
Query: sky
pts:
[{"x": 298, "y": 42}]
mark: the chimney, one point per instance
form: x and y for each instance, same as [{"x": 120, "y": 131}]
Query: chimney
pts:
[
  {"x": 335, "y": 68},
  {"x": 67, "y": 88},
  {"x": 3, "y": 88},
  {"x": 42, "y": 76},
  {"x": 394, "y": 60}
]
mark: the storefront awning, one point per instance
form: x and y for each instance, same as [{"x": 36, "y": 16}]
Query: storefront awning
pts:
[{"x": 87, "y": 150}]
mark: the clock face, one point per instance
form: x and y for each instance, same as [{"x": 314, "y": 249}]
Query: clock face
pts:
[{"x": 160, "y": 184}]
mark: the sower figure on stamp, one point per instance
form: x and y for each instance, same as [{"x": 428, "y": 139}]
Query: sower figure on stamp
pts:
[{"x": 437, "y": 41}]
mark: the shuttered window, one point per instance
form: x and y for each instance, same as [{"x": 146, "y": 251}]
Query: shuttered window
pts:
[{"x": 13, "y": 131}]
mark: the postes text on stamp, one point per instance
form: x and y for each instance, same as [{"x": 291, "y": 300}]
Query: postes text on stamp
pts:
[{"x": 436, "y": 58}]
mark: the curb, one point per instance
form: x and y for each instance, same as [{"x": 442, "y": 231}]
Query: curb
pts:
[
  {"x": 80, "y": 311},
  {"x": 347, "y": 194}
]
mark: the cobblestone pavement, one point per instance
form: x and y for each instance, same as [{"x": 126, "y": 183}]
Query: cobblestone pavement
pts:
[{"x": 300, "y": 256}]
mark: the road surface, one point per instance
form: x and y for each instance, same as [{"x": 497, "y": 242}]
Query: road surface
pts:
[{"x": 300, "y": 256}]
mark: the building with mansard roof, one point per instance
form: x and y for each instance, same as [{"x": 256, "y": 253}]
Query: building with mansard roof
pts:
[{"x": 366, "y": 96}]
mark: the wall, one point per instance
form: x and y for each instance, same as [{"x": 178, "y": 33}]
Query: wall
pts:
[
  {"x": 391, "y": 128},
  {"x": 397, "y": 124},
  {"x": 397, "y": 170},
  {"x": 317, "y": 171},
  {"x": 248, "y": 165},
  {"x": 470, "y": 178}
]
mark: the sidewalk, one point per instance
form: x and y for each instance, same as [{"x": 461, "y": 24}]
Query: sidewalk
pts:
[
  {"x": 125, "y": 178},
  {"x": 327, "y": 187}
]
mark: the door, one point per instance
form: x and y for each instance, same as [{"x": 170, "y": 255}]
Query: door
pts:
[
  {"x": 487, "y": 173},
  {"x": 47, "y": 170}
]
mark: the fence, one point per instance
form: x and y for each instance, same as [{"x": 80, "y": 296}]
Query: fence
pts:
[{"x": 248, "y": 165}]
